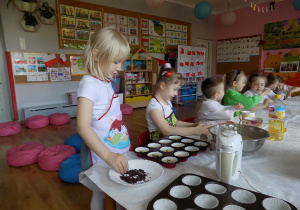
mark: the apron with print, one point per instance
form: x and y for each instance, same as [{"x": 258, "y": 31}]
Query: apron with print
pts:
[
  {"x": 171, "y": 120},
  {"x": 111, "y": 129}
]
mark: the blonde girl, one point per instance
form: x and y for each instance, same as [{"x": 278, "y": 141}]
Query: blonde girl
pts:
[
  {"x": 99, "y": 119},
  {"x": 159, "y": 113},
  {"x": 235, "y": 81},
  {"x": 257, "y": 84}
]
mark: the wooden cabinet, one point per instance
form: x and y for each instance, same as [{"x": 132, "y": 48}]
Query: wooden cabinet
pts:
[{"x": 137, "y": 79}]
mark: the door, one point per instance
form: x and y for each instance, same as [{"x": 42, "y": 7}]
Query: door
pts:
[
  {"x": 6, "y": 113},
  {"x": 207, "y": 45},
  {"x": 208, "y": 52}
]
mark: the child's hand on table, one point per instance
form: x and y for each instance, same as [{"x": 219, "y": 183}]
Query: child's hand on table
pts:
[
  {"x": 267, "y": 101},
  {"x": 238, "y": 106},
  {"x": 203, "y": 129},
  {"x": 117, "y": 162},
  {"x": 266, "y": 92}
]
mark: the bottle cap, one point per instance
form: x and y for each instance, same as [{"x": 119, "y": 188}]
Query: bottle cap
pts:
[{"x": 278, "y": 96}]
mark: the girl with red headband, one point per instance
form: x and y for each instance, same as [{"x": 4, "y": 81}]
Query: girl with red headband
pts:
[{"x": 159, "y": 113}]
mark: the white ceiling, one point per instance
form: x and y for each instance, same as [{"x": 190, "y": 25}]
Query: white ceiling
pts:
[{"x": 220, "y": 6}]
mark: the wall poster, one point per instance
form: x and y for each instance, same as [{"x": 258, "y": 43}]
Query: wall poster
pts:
[
  {"x": 76, "y": 65},
  {"x": 237, "y": 50},
  {"x": 28, "y": 63},
  {"x": 282, "y": 34}
]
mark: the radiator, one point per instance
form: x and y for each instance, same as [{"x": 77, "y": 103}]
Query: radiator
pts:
[{"x": 47, "y": 110}]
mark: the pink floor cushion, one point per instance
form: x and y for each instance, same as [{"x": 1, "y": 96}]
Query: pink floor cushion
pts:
[
  {"x": 10, "y": 128},
  {"x": 38, "y": 121},
  {"x": 24, "y": 154},
  {"x": 126, "y": 109},
  {"x": 51, "y": 158},
  {"x": 59, "y": 118}
]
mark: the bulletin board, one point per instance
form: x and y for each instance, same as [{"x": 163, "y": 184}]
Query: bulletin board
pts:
[
  {"x": 22, "y": 75},
  {"x": 77, "y": 21},
  {"x": 239, "y": 53}
]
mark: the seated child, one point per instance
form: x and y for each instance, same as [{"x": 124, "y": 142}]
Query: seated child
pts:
[
  {"x": 257, "y": 85},
  {"x": 285, "y": 90},
  {"x": 159, "y": 113},
  {"x": 272, "y": 82},
  {"x": 211, "y": 109},
  {"x": 235, "y": 81}
]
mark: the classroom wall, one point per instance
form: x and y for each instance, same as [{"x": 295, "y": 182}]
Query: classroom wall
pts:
[
  {"x": 249, "y": 22},
  {"x": 46, "y": 40}
]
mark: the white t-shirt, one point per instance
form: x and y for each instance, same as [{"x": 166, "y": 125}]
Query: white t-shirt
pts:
[
  {"x": 250, "y": 93},
  {"x": 286, "y": 88},
  {"x": 154, "y": 104},
  {"x": 213, "y": 110},
  {"x": 99, "y": 92},
  {"x": 272, "y": 94}
]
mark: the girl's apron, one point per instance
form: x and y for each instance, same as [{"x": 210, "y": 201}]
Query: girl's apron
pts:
[
  {"x": 111, "y": 130},
  {"x": 171, "y": 120}
]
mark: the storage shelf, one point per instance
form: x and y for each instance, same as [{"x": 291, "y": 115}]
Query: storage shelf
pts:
[
  {"x": 138, "y": 95},
  {"x": 142, "y": 70},
  {"x": 144, "y": 73},
  {"x": 184, "y": 93},
  {"x": 138, "y": 83},
  {"x": 193, "y": 94}
]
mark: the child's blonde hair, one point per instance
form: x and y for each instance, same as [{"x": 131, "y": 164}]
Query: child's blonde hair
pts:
[
  {"x": 169, "y": 77},
  {"x": 230, "y": 77},
  {"x": 104, "y": 47}
]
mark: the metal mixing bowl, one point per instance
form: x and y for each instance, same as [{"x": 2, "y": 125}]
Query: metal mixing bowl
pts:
[{"x": 253, "y": 137}]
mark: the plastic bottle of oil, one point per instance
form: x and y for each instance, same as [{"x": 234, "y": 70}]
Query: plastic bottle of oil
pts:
[{"x": 276, "y": 119}]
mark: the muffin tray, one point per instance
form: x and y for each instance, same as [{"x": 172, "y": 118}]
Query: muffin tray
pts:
[
  {"x": 191, "y": 191},
  {"x": 170, "y": 150}
]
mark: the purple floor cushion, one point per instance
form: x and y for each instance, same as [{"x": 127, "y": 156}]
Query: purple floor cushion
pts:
[
  {"x": 24, "y": 154},
  {"x": 59, "y": 118},
  {"x": 70, "y": 169},
  {"x": 38, "y": 121},
  {"x": 51, "y": 158},
  {"x": 10, "y": 128}
]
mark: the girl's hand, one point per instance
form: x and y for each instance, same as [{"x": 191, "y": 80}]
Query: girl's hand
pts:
[
  {"x": 202, "y": 128},
  {"x": 266, "y": 92},
  {"x": 289, "y": 94},
  {"x": 117, "y": 162},
  {"x": 267, "y": 101},
  {"x": 238, "y": 106}
]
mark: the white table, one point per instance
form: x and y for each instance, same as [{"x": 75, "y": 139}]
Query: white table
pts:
[{"x": 273, "y": 170}]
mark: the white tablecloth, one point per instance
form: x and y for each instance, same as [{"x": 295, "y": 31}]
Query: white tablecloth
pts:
[{"x": 273, "y": 170}]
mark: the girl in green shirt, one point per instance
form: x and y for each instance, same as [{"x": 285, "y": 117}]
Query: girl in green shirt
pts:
[{"x": 235, "y": 81}]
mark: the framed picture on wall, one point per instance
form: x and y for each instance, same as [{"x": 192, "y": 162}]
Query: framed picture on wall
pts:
[{"x": 292, "y": 66}]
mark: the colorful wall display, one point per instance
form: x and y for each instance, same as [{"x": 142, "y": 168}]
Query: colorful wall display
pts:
[
  {"x": 176, "y": 34},
  {"x": 28, "y": 63},
  {"x": 282, "y": 35},
  {"x": 78, "y": 21},
  {"x": 191, "y": 62}
]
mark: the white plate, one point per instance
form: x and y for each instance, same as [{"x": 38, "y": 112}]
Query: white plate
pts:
[{"x": 153, "y": 169}]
